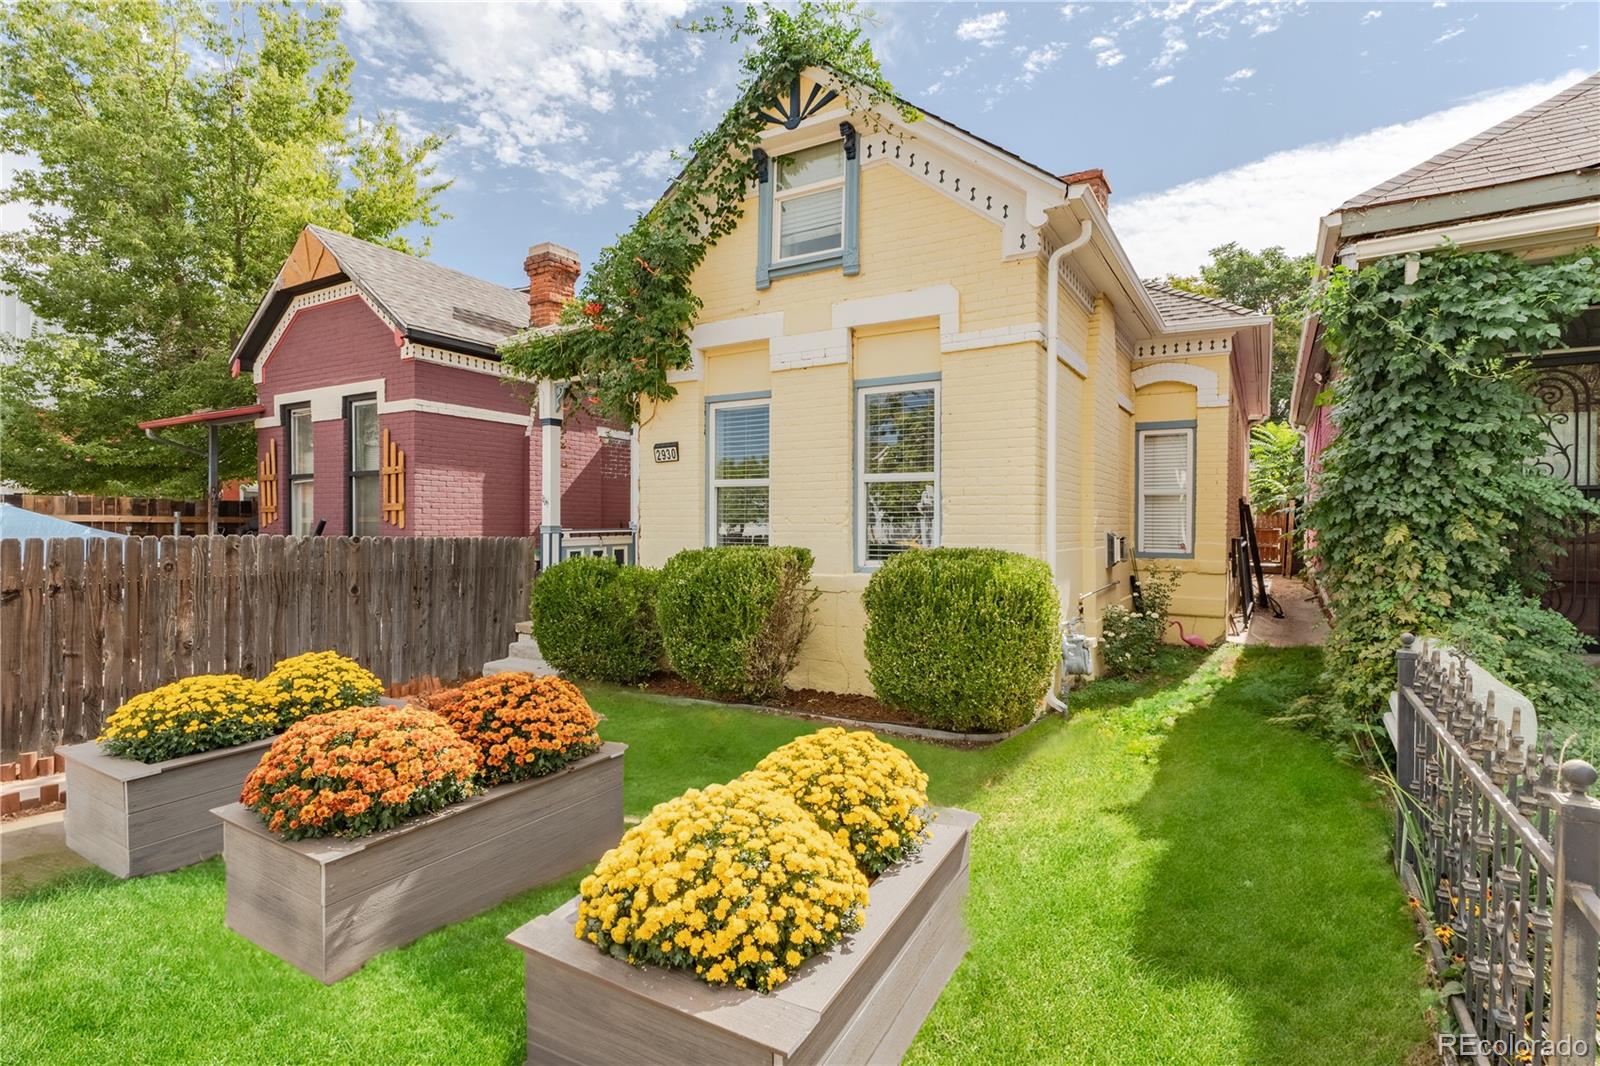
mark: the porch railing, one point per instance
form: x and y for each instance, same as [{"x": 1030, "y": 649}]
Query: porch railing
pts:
[{"x": 1501, "y": 845}]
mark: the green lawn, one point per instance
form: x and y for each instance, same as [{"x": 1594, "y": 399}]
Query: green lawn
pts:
[{"x": 1166, "y": 878}]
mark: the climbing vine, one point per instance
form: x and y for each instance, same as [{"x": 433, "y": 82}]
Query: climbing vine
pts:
[
  {"x": 1431, "y": 506},
  {"x": 629, "y": 327}
]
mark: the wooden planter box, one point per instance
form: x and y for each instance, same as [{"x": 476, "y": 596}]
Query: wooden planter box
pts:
[
  {"x": 328, "y": 905},
  {"x": 133, "y": 818},
  {"x": 862, "y": 1002}
]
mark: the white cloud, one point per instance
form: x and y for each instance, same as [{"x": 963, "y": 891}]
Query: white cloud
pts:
[
  {"x": 1069, "y": 10},
  {"x": 986, "y": 30},
  {"x": 1172, "y": 47},
  {"x": 1040, "y": 60},
  {"x": 522, "y": 81},
  {"x": 1109, "y": 58},
  {"x": 1450, "y": 34},
  {"x": 1241, "y": 74},
  {"x": 1100, "y": 42},
  {"x": 658, "y": 163},
  {"x": 1277, "y": 200},
  {"x": 1165, "y": 79},
  {"x": 1371, "y": 16}
]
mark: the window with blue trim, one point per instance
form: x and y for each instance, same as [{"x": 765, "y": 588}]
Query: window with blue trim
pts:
[{"x": 809, "y": 209}]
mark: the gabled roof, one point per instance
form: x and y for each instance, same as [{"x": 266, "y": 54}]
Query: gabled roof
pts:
[
  {"x": 1179, "y": 307},
  {"x": 1556, "y": 136},
  {"x": 428, "y": 303}
]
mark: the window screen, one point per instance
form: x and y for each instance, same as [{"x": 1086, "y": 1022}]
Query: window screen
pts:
[
  {"x": 1166, "y": 491},
  {"x": 897, "y": 459},
  {"x": 741, "y": 469}
]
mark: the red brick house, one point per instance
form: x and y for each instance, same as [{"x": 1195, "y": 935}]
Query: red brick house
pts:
[{"x": 384, "y": 409}]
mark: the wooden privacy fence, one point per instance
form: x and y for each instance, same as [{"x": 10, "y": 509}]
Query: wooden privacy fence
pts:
[{"x": 84, "y": 624}]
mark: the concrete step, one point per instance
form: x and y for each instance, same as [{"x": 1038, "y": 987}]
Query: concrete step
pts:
[
  {"x": 524, "y": 656},
  {"x": 525, "y": 629}
]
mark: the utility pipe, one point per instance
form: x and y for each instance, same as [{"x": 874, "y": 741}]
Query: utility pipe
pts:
[{"x": 1051, "y": 376}]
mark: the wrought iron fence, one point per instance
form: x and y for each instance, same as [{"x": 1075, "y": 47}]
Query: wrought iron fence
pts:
[{"x": 1501, "y": 844}]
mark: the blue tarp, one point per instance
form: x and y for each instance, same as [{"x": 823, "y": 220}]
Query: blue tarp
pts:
[{"x": 17, "y": 523}]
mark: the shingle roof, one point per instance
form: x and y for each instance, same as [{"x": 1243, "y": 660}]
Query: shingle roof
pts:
[
  {"x": 1177, "y": 306},
  {"x": 1561, "y": 134},
  {"x": 426, "y": 297}
]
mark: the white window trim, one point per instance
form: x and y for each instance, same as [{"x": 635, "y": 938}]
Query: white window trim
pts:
[
  {"x": 715, "y": 483},
  {"x": 1187, "y": 494},
  {"x": 862, "y": 478},
  {"x": 780, "y": 195}
]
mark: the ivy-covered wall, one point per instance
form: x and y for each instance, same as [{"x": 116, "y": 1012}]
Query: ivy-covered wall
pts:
[{"x": 1430, "y": 513}]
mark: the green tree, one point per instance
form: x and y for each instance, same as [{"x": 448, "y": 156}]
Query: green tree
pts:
[
  {"x": 1270, "y": 280},
  {"x": 180, "y": 147},
  {"x": 1277, "y": 467}
]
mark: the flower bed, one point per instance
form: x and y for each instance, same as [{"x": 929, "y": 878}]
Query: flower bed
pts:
[
  {"x": 363, "y": 829},
  {"x": 748, "y": 888},
  {"x": 143, "y": 792}
]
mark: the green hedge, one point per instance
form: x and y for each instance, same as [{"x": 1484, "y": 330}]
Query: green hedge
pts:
[
  {"x": 965, "y": 638},
  {"x": 597, "y": 620},
  {"x": 733, "y": 619}
]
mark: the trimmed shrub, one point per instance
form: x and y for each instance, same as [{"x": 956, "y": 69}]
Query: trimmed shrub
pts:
[
  {"x": 733, "y": 619},
  {"x": 321, "y": 681},
  {"x": 735, "y": 883},
  {"x": 360, "y": 770},
  {"x": 964, "y": 638},
  {"x": 869, "y": 795},
  {"x": 596, "y": 619},
  {"x": 200, "y": 713},
  {"x": 523, "y": 726}
]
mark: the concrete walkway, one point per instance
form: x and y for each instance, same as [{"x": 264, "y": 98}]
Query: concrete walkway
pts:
[
  {"x": 33, "y": 850},
  {"x": 1302, "y": 622}
]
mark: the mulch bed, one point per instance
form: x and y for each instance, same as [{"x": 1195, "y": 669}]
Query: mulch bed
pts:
[{"x": 803, "y": 700}]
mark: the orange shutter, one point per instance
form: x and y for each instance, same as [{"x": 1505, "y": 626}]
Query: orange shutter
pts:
[
  {"x": 267, "y": 479},
  {"x": 394, "y": 482}
]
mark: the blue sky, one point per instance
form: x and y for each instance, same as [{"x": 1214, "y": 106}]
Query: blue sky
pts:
[{"x": 1213, "y": 120}]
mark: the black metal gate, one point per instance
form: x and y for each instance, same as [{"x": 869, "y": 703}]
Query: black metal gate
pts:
[{"x": 1566, "y": 388}]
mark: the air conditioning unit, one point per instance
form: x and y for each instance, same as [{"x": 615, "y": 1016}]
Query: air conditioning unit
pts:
[{"x": 1116, "y": 549}]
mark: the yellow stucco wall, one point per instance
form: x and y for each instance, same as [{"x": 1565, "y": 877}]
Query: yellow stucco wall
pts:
[{"x": 991, "y": 420}]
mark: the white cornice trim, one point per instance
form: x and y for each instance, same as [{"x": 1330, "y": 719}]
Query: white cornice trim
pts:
[
  {"x": 1124, "y": 403},
  {"x": 327, "y": 401},
  {"x": 414, "y": 405},
  {"x": 1581, "y": 220},
  {"x": 1209, "y": 390},
  {"x": 1168, "y": 346}
]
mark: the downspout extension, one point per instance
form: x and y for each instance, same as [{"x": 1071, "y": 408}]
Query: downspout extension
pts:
[{"x": 1051, "y": 376}]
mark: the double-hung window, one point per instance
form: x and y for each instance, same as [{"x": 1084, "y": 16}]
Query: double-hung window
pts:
[
  {"x": 302, "y": 506},
  {"x": 897, "y": 469},
  {"x": 1166, "y": 490},
  {"x": 741, "y": 472},
  {"x": 361, "y": 421},
  {"x": 808, "y": 203}
]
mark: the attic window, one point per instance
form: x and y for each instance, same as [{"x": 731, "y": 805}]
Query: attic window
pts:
[{"x": 809, "y": 202}]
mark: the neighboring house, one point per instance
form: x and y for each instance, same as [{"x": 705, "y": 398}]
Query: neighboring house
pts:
[
  {"x": 873, "y": 369},
  {"x": 1531, "y": 186},
  {"x": 384, "y": 409},
  {"x": 16, "y": 318}
]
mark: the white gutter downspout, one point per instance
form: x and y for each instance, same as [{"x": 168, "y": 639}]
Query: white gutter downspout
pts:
[{"x": 1051, "y": 375}]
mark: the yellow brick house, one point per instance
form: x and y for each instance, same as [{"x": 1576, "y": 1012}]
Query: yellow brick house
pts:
[{"x": 915, "y": 337}]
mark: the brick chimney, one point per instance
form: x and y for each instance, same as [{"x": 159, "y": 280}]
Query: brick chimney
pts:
[
  {"x": 552, "y": 280},
  {"x": 1096, "y": 180}
]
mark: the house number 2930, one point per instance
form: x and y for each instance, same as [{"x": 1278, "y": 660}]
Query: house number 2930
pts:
[{"x": 667, "y": 453}]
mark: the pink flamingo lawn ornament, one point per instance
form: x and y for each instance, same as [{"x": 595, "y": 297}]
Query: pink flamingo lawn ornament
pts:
[{"x": 1194, "y": 641}]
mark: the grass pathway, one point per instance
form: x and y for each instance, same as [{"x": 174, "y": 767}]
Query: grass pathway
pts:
[{"x": 1167, "y": 878}]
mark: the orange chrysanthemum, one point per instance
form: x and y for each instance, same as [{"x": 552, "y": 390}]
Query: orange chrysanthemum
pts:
[
  {"x": 355, "y": 771},
  {"x": 523, "y": 726}
]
